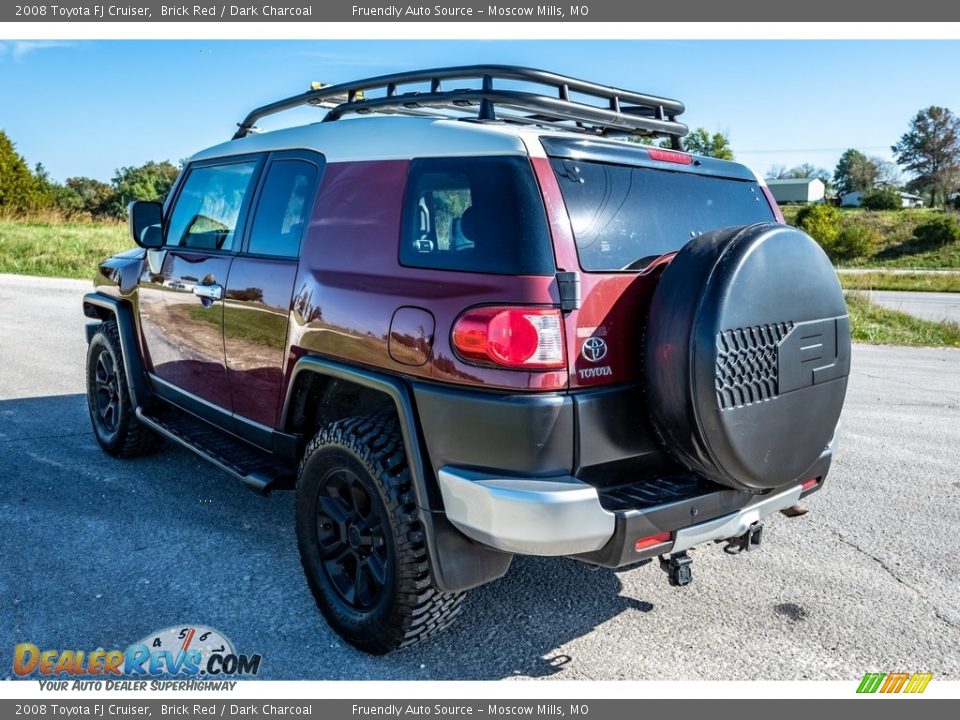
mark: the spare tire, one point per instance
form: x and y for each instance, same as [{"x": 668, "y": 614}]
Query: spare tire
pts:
[{"x": 746, "y": 356}]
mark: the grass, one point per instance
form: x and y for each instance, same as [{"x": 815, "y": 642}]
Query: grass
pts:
[
  {"x": 870, "y": 323},
  {"x": 913, "y": 282},
  {"x": 897, "y": 247},
  {"x": 57, "y": 248},
  {"x": 61, "y": 248}
]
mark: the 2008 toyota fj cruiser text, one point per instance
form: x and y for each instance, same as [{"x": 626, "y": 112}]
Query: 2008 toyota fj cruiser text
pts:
[{"x": 469, "y": 324}]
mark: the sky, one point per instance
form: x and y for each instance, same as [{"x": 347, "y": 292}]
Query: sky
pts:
[{"x": 89, "y": 107}]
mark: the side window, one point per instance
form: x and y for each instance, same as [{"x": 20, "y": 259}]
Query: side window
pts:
[
  {"x": 282, "y": 211},
  {"x": 208, "y": 207},
  {"x": 477, "y": 214}
]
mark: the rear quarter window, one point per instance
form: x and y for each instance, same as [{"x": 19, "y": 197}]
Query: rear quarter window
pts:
[
  {"x": 625, "y": 217},
  {"x": 481, "y": 214}
]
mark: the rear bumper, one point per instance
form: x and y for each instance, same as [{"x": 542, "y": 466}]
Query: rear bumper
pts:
[
  {"x": 735, "y": 524},
  {"x": 548, "y": 516},
  {"x": 565, "y": 516}
]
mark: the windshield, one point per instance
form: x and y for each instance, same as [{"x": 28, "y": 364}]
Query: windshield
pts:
[{"x": 625, "y": 217}]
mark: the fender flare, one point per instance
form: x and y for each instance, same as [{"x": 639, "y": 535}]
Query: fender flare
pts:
[
  {"x": 456, "y": 563},
  {"x": 99, "y": 307}
]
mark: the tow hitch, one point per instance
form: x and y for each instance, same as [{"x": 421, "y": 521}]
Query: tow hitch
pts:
[
  {"x": 677, "y": 567},
  {"x": 750, "y": 540}
]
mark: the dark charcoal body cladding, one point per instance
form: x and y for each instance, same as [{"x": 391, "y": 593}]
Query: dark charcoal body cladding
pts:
[{"x": 747, "y": 355}]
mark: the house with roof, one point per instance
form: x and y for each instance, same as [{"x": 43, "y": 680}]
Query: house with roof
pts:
[
  {"x": 907, "y": 200},
  {"x": 797, "y": 190}
]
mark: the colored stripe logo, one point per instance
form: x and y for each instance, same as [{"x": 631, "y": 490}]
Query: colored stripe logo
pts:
[{"x": 913, "y": 683}]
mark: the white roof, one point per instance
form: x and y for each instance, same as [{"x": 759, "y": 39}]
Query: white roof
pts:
[
  {"x": 793, "y": 181},
  {"x": 385, "y": 138}
]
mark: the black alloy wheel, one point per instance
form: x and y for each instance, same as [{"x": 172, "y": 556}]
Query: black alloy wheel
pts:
[{"x": 351, "y": 537}]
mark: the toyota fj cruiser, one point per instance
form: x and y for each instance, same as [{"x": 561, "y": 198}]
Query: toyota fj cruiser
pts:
[{"x": 465, "y": 318}]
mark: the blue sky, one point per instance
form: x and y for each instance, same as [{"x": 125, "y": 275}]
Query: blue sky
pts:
[{"x": 88, "y": 107}]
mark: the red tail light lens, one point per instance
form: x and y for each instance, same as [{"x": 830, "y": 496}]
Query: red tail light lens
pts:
[
  {"x": 670, "y": 156},
  {"x": 807, "y": 484},
  {"x": 512, "y": 337},
  {"x": 651, "y": 540}
]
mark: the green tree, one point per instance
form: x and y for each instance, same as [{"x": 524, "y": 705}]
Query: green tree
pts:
[
  {"x": 701, "y": 142},
  {"x": 150, "y": 181},
  {"x": 19, "y": 190},
  {"x": 854, "y": 172},
  {"x": 885, "y": 198},
  {"x": 930, "y": 150},
  {"x": 93, "y": 196},
  {"x": 698, "y": 142}
]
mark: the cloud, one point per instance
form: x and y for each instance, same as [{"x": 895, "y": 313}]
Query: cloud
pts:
[{"x": 19, "y": 49}]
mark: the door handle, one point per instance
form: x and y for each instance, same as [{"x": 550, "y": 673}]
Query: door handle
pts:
[{"x": 209, "y": 292}]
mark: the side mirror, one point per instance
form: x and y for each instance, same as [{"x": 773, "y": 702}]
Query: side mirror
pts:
[{"x": 145, "y": 220}]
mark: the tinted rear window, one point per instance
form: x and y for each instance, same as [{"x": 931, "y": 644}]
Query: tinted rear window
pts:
[
  {"x": 625, "y": 217},
  {"x": 283, "y": 207},
  {"x": 481, "y": 214}
]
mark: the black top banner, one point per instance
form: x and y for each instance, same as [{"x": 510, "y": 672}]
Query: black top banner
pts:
[{"x": 482, "y": 11}]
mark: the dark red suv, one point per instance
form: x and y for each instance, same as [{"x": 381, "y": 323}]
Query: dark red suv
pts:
[{"x": 465, "y": 317}]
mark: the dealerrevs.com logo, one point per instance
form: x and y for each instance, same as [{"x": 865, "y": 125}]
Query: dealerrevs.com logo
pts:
[
  {"x": 892, "y": 683},
  {"x": 193, "y": 652}
]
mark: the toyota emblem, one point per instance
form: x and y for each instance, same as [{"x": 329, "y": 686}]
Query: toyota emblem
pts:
[{"x": 594, "y": 349}]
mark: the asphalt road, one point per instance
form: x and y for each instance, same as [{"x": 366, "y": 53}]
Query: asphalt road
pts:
[
  {"x": 97, "y": 552},
  {"x": 926, "y": 305}
]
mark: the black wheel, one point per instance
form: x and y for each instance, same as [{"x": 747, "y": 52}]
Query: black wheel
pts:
[
  {"x": 360, "y": 539},
  {"x": 114, "y": 421}
]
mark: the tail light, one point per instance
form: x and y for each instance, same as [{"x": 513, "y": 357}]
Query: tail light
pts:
[{"x": 523, "y": 338}]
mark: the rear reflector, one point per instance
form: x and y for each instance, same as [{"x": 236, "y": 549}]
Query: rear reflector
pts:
[
  {"x": 524, "y": 338},
  {"x": 670, "y": 156},
  {"x": 807, "y": 484},
  {"x": 651, "y": 540}
]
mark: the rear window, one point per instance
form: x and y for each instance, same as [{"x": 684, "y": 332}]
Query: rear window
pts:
[
  {"x": 481, "y": 214},
  {"x": 624, "y": 217}
]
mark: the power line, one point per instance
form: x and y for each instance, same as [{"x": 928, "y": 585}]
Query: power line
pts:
[{"x": 811, "y": 150}]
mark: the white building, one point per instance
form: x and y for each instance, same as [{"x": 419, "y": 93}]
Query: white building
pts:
[
  {"x": 907, "y": 200},
  {"x": 797, "y": 190}
]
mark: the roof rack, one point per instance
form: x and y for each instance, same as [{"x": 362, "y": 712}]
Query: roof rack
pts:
[{"x": 596, "y": 109}]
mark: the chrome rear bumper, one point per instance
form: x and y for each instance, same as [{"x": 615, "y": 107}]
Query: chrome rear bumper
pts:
[{"x": 563, "y": 516}]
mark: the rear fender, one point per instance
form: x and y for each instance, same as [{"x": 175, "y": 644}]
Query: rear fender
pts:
[{"x": 456, "y": 563}]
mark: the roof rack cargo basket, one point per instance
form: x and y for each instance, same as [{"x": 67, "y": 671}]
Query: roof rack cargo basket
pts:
[{"x": 570, "y": 104}]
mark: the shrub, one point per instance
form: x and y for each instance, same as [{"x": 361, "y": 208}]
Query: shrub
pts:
[
  {"x": 939, "y": 231},
  {"x": 881, "y": 199},
  {"x": 853, "y": 241},
  {"x": 821, "y": 222}
]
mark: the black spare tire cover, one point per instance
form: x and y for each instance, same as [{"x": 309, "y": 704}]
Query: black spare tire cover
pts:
[{"x": 747, "y": 354}]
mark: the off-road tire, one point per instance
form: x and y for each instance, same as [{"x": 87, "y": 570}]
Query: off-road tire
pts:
[
  {"x": 406, "y": 608},
  {"x": 118, "y": 430}
]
